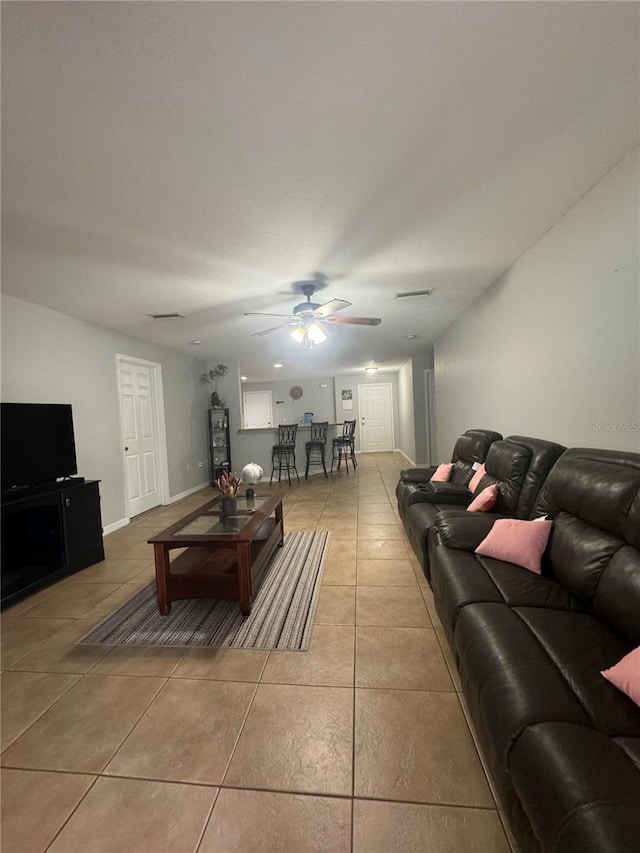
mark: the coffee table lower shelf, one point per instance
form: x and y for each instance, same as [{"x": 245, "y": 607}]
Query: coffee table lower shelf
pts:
[{"x": 231, "y": 571}]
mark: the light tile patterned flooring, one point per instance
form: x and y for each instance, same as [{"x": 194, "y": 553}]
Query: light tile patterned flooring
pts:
[{"x": 359, "y": 744}]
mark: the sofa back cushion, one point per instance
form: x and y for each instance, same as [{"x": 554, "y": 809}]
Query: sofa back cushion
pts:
[
  {"x": 472, "y": 446},
  {"x": 506, "y": 465},
  {"x": 544, "y": 455},
  {"x": 594, "y": 548}
]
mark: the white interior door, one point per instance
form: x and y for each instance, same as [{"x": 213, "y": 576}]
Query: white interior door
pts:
[
  {"x": 257, "y": 408},
  {"x": 376, "y": 417},
  {"x": 139, "y": 437}
]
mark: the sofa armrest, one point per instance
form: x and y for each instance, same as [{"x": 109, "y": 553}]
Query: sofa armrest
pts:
[
  {"x": 417, "y": 475},
  {"x": 464, "y": 530},
  {"x": 443, "y": 493}
]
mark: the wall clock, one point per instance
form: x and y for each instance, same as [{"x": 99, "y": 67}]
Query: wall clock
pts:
[{"x": 296, "y": 392}]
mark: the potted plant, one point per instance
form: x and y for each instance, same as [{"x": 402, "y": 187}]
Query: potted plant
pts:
[
  {"x": 228, "y": 485},
  {"x": 212, "y": 376}
]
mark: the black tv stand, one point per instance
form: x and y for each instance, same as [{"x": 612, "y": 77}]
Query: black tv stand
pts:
[
  {"x": 39, "y": 488},
  {"x": 49, "y": 531}
]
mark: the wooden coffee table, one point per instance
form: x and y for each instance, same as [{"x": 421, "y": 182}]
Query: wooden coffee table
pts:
[{"x": 226, "y": 557}]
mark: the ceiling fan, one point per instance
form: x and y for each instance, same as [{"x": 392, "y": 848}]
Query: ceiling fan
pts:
[{"x": 308, "y": 318}]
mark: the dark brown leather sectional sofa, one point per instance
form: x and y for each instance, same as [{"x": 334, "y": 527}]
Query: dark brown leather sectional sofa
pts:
[
  {"x": 517, "y": 464},
  {"x": 562, "y": 743}
]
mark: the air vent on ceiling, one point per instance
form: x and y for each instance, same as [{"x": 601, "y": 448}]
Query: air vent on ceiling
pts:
[
  {"x": 173, "y": 316},
  {"x": 408, "y": 293}
]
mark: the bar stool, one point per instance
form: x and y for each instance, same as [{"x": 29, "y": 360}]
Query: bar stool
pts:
[
  {"x": 316, "y": 446},
  {"x": 344, "y": 446},
  {"x": 283, "y": 454}
]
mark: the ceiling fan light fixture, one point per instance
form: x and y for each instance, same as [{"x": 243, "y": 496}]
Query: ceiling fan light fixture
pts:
[
  {"x": 298, "y": 334},
  {"x": 316, "y": 333},
  {"x": 309, "y": 318},
  {"x": 309, "y": 333}
]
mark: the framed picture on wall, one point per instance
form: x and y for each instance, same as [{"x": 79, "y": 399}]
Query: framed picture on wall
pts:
[{"x": 347, "y": 399}]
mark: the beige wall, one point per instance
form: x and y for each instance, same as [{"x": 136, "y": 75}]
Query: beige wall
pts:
[
  {"x": 49, "y": 357},
  {"x": 317, "y": 397},
  {"x": 552, "y": 348},
  {"x": 352, "y": 380}
]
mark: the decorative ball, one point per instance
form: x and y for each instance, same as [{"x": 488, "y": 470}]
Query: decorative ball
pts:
[{"x": 251, "y": 473}]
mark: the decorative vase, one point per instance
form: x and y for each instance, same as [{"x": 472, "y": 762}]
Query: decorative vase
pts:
[{"x": 229, "y": 506}]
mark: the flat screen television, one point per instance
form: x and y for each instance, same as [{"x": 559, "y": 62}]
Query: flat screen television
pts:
[{"x": 38, "y": 444}]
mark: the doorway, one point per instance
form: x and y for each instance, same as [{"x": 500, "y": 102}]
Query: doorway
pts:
[
  {"x": 430, "y": 415},
  {"x": 376, "y": 417},
  {"x": 142, "y": 433}
]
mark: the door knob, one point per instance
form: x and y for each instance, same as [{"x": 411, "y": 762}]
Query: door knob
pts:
[{"x": 126, "y": 448}]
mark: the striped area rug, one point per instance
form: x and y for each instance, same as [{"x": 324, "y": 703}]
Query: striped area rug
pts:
[{"x": 281, "y": 617}]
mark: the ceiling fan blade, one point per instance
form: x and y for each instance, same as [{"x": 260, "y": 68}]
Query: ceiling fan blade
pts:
[
  {"x": 272, "y": 329},
  {"x": 331, "y": 307},
  {"x": 355, "y": 321},
  {"x": 262, "y": 314}
]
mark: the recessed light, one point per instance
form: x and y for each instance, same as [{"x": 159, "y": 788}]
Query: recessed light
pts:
[
  {"x": 371, "y": 369},
  {"x": 195, "y": 343},
  {"x": 277, "y": 366},
  {"x": 411, "y": 337},
  {"x": 243, "y": 378}
]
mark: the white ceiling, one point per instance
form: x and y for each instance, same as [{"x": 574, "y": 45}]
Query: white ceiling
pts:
[{"x": 201, "y": 157}]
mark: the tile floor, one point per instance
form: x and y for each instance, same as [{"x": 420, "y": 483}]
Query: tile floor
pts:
[{"x": 359, "y": 744}]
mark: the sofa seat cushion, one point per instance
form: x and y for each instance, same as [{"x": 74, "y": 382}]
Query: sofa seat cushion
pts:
[
  {"x": 509, "y": 680},
  {"x": 625, "y": 675},
  {"x": 457, "y": 580},
  {"x": 631, "y": 747},
  {"x": 523, "y": 666},
  {"x": 521, "y": 588},
  {"x": 581, "y": 646},
  {"x": 460, "y": 578},
  {"x": 579, "y": 789}
]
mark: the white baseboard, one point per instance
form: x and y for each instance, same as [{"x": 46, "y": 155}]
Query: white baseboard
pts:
[
  {"x": 408, "y": 458},
  {"x": 188, "y": 492},
  {"x": 123, "y": 522},
  {"x": 111, "y": 528}
]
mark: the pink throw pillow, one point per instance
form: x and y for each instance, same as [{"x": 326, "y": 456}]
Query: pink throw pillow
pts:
[
  {"x": 474, "y": 482},
  {"x": 519, "y": 542},
  {"x": 485, "y": 500},
  {"x": 625, "y": 675},
  {"x": 443, "y": 472}
]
